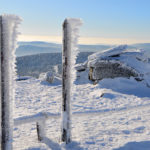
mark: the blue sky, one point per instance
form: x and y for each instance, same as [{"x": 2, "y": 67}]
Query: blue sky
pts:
[{"x": 105, "y": 21}]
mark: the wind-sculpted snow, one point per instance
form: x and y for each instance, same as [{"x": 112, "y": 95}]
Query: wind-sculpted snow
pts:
[
  {"x": 109, "y": 52},
  {"x": 120, "y": 61}
]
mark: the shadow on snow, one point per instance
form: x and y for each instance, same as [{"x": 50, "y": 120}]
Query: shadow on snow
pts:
[
  {"x": 56, "y": 146},
  {"x": 144, "y": 145}
]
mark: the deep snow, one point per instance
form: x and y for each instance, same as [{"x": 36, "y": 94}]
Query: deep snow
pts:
[
  {"x": 113, "y": 114},
  {"x": 110, "y": 115}
]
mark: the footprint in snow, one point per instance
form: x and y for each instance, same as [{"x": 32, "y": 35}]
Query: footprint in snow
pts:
[
  {"x": 126, "y": 131},
  {"x": 139, "y": 129}
]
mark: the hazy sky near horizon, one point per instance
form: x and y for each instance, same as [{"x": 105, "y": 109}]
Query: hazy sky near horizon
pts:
[{"x": 105, "y": 21}]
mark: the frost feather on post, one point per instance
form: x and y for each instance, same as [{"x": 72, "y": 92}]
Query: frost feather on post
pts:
[
  {"x": 8, "y": 36},
  {"x": 74, "y": 25},
  {"x": 70, "y": 51}
]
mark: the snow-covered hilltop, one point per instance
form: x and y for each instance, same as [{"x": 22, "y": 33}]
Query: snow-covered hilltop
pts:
[
  {"x": 110, "y": 115},
  {"x": 120, "y": 61}
]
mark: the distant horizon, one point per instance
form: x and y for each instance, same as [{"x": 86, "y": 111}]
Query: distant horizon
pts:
[{"x": 82, "y": 40}]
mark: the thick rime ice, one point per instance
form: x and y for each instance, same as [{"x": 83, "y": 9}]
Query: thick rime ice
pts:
[
  {"x": 71, "y": 34},
  {"x": 74, "y": 25},
  {"x": 9, "y": 25}
]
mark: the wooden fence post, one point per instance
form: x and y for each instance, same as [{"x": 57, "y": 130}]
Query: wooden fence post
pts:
[
  {"x": 8, "y": 25},
  {"x": 0, "y": 83},
  {"x": 40, "y": 126},
  {"x": 5, "y": 114},
  {"x": 66, "y": 129},
  {"x": 69, "y": 55}
]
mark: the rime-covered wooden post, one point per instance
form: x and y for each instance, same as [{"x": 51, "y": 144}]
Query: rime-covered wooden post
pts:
[
  {"x": 66, "y": 92},
  {"x": 40, "y": 126},
  {"x": 8, "y": 25},
  {"x": 70, "y": 38}
]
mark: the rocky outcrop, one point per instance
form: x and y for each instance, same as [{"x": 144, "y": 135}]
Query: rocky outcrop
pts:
[
  {"x": 120, "y": 61},
  {"x": 108, "y": 69}
]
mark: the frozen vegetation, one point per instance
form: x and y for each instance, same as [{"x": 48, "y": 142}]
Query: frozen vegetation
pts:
[
  {"x": 34, "y": 65},
  {"x": 36, "y": 47}
]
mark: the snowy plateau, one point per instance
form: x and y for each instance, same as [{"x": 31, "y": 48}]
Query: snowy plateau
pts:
[{"x": 113, "y": 114}]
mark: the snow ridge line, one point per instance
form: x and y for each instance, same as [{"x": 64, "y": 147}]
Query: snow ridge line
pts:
[{"x": 44, "y": 116}]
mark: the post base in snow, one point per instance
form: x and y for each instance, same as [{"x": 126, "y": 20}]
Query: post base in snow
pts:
[
  {"x": 64, "y": 137},
  {"x": 40, "y": 130}
]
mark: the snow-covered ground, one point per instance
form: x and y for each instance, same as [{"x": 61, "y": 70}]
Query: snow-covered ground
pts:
[{"x": 111, "y": 115}]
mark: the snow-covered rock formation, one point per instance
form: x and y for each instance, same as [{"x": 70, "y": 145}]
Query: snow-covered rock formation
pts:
[
  {"x": 120, "y": 61},
  {"x": 50, "y": 77}
]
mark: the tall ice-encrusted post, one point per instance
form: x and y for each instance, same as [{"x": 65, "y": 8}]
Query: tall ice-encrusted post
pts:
[
  {"x": 1, "y": 82},
  {"x": 66, "y": 131},
  {"x": 8, "y": 25},
  {"x": 69, "y": 55}
]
